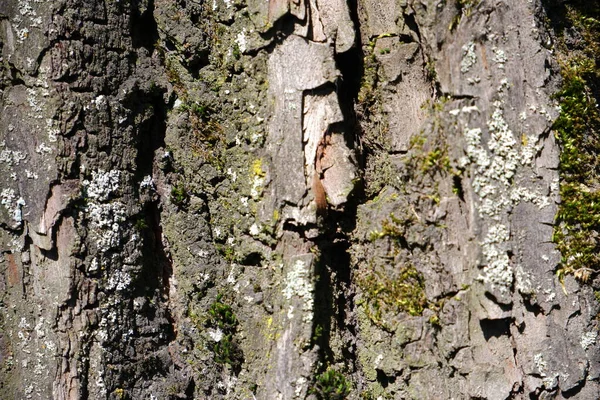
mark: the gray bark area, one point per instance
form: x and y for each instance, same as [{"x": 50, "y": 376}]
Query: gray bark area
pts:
[{"x": 232, "y": 199}]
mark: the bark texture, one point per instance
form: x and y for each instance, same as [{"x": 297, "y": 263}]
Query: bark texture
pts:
[{"x": 305, "y": 199}]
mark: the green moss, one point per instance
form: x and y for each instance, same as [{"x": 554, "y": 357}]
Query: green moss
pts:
[
  {"x": 393, "y": 228},
  {"x": 179, "y": 195},
  {"x": 368, "y": 95},
  {"x": 207, "y": 139},
  {"x": 221, "y": 316},
  {"x": 140, "y": 223},
  {"x": 577, "y": 130},
  {"x": 379, "y": 172},
  {"x": 464, "y": 8},
  {"x": 392, "y": 284},
  {"x": 375, "y": 392},
  {"x": 228, "y": 252},
  {"x": 331, "y": 385},
  {"x": 429, "y": 155},
  {"x": 384, "y": 294},
  {"x": 236, "y": 52}
]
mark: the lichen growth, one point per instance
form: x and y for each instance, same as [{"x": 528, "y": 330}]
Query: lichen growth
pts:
[
  {"x": 257, "y": 179},
  {"x": 469, "y": 57},
  {"x": 298, "y": 284}
]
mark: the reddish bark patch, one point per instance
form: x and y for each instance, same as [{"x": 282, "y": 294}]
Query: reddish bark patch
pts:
[{"x": 13, "y": 270}]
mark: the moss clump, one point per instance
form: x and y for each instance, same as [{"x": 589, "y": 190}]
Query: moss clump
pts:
[
  {"x": 577, "y": 130},
  {"x": 140, "y": 223},
  {"x": 331, "y": 385},
  {"x": 430, "y": 157},
  {"x": 221, "y": 316},
  {"x": 179, "y": 195},
  {"x": 384, "y": 294},
  {"x": 394, "y": 228},
  {"x": 207, "y": 135},
  {"x": 463, "y": 8}
]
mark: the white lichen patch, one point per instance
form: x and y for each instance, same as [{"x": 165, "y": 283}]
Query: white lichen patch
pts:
[
  {"x": 469, "y": 57},
  {"x": 118, "y": 281},
  {"x": 11, "y": 157},
  {"x": 255, "y": 229},
  {"x": 530, "y": 149},
  {"x": 99, "y": 101},
  {"x": 494, "y": 165},
  {"x": 93, "y": 267},
  {"x": 215, "y": 334},
  {"x": 147, "y": 182},
  {"x": 298, "y": 284},
  {"x": 12, "y": 204},
  {"x": 523, "y": 281},
  {"x": 43, "y": 148},
  {"x": 502, "y": 145},
  {"x": 588, "y": 339},
  {"x": 499, "y": 57},
  {"x": 103, "y": 184},
  {"x": 33, "y": 98},
  {"x": 241, "y": 42},
  {"x": 52, "y": 130},
  {"x": 497, "y": 272},
  {"x": 300, "y": 382},
  {"x": 26, "y": 18},
  {"x": 106, "y": 220},
  {"x": 540, "y": 364},
  {"x": 232, "y": 174},
  {"x": 7, "y": 198},
  {"x": 524, "y": 194}
]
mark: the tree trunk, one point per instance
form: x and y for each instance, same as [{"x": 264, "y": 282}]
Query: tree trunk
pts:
[{"x": 299, "y": 199}]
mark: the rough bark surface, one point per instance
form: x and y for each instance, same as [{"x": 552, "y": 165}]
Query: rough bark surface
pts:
[{"x": 306, "y": 199}]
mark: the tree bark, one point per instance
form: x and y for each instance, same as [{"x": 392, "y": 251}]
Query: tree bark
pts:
[{"x": 298, "y": 199}]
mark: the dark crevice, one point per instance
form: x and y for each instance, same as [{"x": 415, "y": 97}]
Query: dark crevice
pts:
[
  {"x": 384, "y": 379},
  {"x": 457, "y": 187},
  {"x": 291, "y": 226},
  {"x": 281, "y": 29},
  {"x": 457, "y": 96},
  {"x": 334, "y": 299},
  {"x": 144, "y": 30},
  {"x": 252, "y": 259},
  {"x": 151, "y": 137},
  {"x": 531, "y": 307},
  {"x": 411, "y": 22},
  {"x": 495, "y": 328},
  {"x": 573, "y": 392}
]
